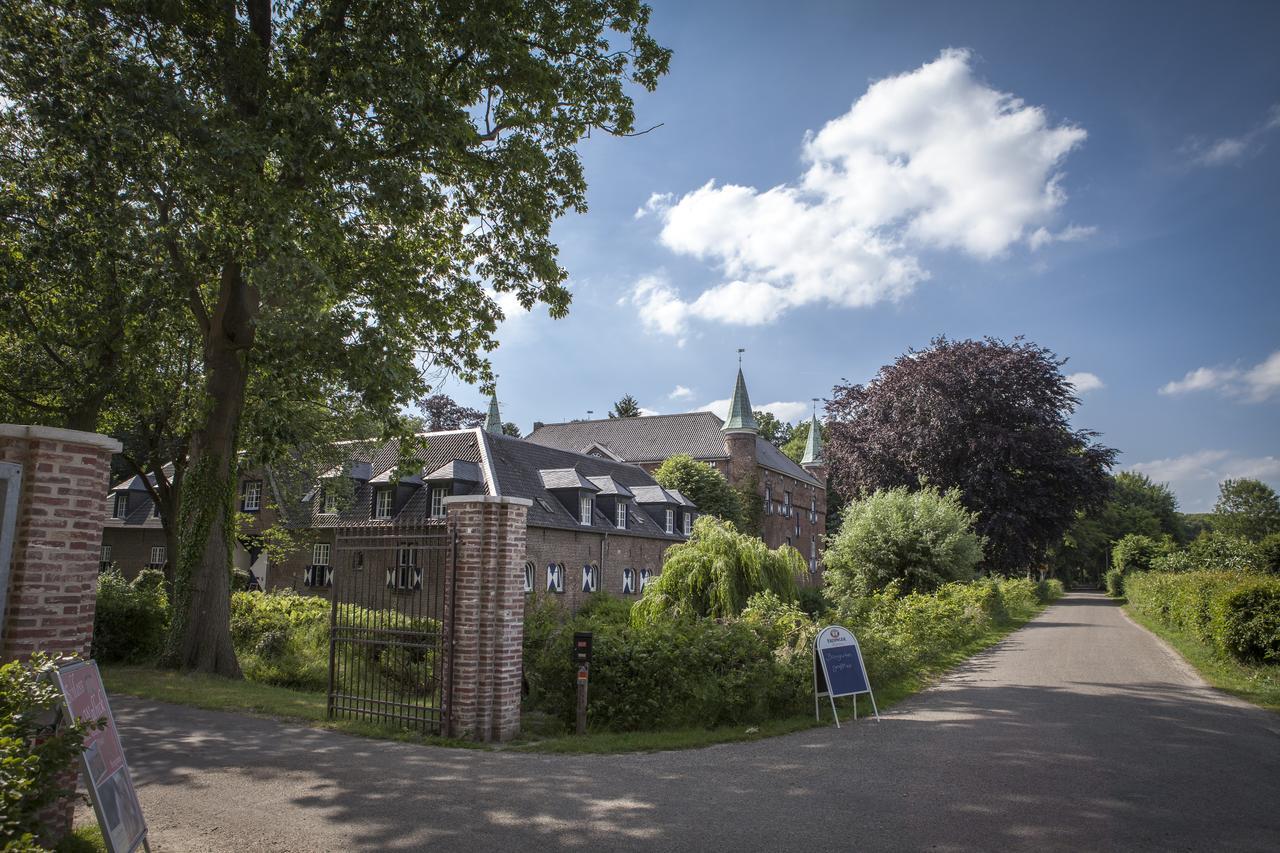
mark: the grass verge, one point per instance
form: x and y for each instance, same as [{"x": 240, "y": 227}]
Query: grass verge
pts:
[
  {"x": 86, "y": 838},
  {"x": 221, "y": 694},
  {"x": 1259, "y": 684}
]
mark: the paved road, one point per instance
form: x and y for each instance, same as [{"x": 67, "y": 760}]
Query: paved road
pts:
[{"x": 1078, "y": 732}]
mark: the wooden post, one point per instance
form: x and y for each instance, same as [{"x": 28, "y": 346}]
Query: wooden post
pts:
[{"x": 582, "y": 699}]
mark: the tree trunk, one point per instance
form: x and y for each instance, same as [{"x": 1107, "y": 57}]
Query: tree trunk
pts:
[{"x": 200, "y": 637}]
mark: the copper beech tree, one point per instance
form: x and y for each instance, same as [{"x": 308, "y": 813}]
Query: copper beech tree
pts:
[
  {"x": 987, "y": 417},
  {"x": 331, "y": 191}
]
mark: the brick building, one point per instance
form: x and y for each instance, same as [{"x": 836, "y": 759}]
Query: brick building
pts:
[
  {"x": 793, "y": 496},
  {"x": 593, "y": 524}
]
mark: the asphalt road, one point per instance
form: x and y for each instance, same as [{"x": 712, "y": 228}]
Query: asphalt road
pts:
[{"x": 1079, "y": 732}]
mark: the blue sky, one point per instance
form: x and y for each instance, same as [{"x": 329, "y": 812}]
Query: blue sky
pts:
[{"x": 1101, "y": 178}]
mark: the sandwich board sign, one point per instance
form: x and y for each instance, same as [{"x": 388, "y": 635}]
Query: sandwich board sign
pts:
[
  {"x": 838, "y": 670},
  {"x": 106, "y": 774}
]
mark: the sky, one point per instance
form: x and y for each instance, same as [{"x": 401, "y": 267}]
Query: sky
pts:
[{"x": 831, "y": 184}]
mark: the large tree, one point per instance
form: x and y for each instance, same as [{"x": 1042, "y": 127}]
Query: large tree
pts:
[
  {"x": 1248, "y": 509},
  {"x": 440, "y": 412},
  {"x": 337, "y": 188},
  {"x": 627, "y": 407},
  {"x": 702, "y": 484},
  {"x": 771, "y": 429},
  {"x": 1136, "y": 506},
  {"x": 987, "y": 417}
]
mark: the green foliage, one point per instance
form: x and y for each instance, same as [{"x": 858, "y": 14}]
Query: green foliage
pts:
[
  {"x": 32, "y": 757},
  {"x": 813, "y": 600},
  {"x": 702, "y": 484},
  {"x": 1136, "y": 506},
  {"x": 772, "y": 430},
  {"x": 1247, "y": 509},
  {"x": 1268, "y": 552},
  {"x": 130, "y": 619},
  {"x": 1218, "y": 551},
  {"x": 1115, "y": 583},
  {"x": 715, "y": 572},
  {"x": 1238, "y": 614},
  {"x": 1134, "y": 553},
  {"x": 627, "y": 407},
  {"x": 918, "y": 540},
  {"x": 751, "y": 502},
  {"x": 794, "y": 446}
]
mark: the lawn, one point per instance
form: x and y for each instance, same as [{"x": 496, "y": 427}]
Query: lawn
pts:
[
  {"x": 1259, "y": 684},
  {"x": 220, "y": 694}
]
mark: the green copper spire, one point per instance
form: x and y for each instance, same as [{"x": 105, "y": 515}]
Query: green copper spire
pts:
[
  {"x": 741, "y": 418},
  {"x": 813, "y": 445},
  {"x": 493, "y": 420}
]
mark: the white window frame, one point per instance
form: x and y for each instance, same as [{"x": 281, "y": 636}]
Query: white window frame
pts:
[
  {"x": 321, "y": 553},
  {"x": 329, "y": 502},
  {"x": 555, "y": 577},
  {"x": 586, "y": 509},
  {"x": 104, "y": 557},
  {"x": 529, "y": 571},
  {"x": 120, "y": 506},
  {"x": 786, "y": 504},
  {"x": 813, "y": 510},
  {"x": 590, "y": 577},
  {"x": 768, "y": 499},
  {"x": 251, "y": 499},
  {"x": 437, "y": 501},
  {"x": 671, "y": 521},
  {"x": 620, "y": 515},
  {"x": 646, "y": 576},
  {"x": 688, "y": 523},
  {"x": 379, "y": 511},
  {"x": 158, "y": 551}
]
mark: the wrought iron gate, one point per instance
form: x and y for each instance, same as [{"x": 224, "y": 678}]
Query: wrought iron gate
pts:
[{"x": 389, "y": 629}]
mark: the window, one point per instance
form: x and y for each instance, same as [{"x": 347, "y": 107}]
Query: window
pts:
[
  {"x": 813, "y": 555},
  {"x": 797, "y": 525},
  {"x": 688, "y": 523},
  {"x": 120, "y": 507},
  {"x": 628, "y": 581},
  {"x": 406, "y": 575},
  {"x": 788, "y": 541},
  {"x": 382, "y": 503},
  {"x": 157, "y": 555},
  {"x": 620, "y": 516},
  {"x": 104, "y": 560},
  {"x": 768, "y": 499},
  {"x": 671, "y": 521},
  {"x": 645, "y": 575},
  {"x": 437, "y": 501},
  {"x": 329, "y": 502},
  {"x": 786, "y": 504},
  {"x": 813, "y": 510},
  {"x": 251, "y": 499},
  {"x": 320, "y": 554},
  {"x": 590, "y": 577},
  {"x": 529, "y": 569},
  {"x": 317, "y": 576},
  {"x": 584, "y": 509},
  {"x": 555, "y": 577}
]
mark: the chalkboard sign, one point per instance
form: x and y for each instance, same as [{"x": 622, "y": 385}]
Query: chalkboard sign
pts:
[
  {"x": 838, "y": 669},
  {"x": 105, "y": 772}
]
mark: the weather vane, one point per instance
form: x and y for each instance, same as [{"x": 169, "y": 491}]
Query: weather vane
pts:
[
  {"x": 815, "y": 407},
  {"x": 740, "y": 352}
]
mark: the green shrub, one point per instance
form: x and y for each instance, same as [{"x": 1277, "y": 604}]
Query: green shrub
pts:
[
  {"x": 130, "y": 619},
  {"x": 1115, "y": 583},
  {"x": 1049, "y": 590},
  {"x": 715, "y": 572},
  {"x": 1215, "y": 551},
  {"x": 33, "y": 761},
  {"x": 813, "y": 600},
  {"x": 1236, "y": 613},
  {"x": 1134, "y": 553},
  {"x": 1268, "y": 551},
  {"x": 282, "y": 638},
  {"x": 1246, "y": 620},
  {"x": 920, "y": 540}
]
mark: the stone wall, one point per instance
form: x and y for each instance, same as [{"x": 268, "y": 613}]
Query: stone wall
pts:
[{"x": 612, "y": 554}]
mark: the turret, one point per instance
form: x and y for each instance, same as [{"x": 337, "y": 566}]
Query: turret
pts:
[
  {"x": 740, "y": 430},
  {"x": 493, "y": 420},
  {"x": 813, "y": 460}
]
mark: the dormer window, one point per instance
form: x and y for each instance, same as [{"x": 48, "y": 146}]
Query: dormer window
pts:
[
  {"x": 251, "y": 496},
  {"x": 382, "y": 503},
  {"x": 120, "y": 508},
  {"x": 437, "y": 501},
  {"x": 688, "y": 523},
  {"x": 620, "y": 516},
  {"x": 586, "y": 505},
  {"x": 329, "y": 502},
  {"x": 671, "y": 521}
]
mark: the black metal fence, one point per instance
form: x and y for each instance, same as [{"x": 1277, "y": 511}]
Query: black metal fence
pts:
[{"x": 389, "y": 637}]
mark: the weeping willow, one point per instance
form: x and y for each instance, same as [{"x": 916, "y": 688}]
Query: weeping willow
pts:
[{"x": 715, "y": 572}]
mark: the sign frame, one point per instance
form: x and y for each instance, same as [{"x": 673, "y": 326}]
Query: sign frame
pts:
[
  {"x": 103, "y": 765},
  {"x": 838, "y": 637}
]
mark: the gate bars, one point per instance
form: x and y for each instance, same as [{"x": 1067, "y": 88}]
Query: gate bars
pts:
[{"x": 390, "y": 634}]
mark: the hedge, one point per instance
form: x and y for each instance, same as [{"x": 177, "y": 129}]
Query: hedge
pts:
[
  {"x": 130, "y": 619},
  {"x": 1236, "y": 613}
]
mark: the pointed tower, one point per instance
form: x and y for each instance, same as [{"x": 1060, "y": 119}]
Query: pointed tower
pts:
[
  {"x": 493, "y": 420},
  {"x": 740, "y": 431},
  {"x": 813, "y": 461}
]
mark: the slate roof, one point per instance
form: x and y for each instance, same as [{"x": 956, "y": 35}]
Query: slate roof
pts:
[
  {"x": 659, "y": 437},
  {"x": 654, "y": 495},
  {"x": 565, "y": 478}
]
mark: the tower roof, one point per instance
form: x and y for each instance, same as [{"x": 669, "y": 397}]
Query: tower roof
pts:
[
  {"x": 813, "y": 445},
  {"x": 493, "y": 420},
  {"x": 741, "y": 418}
]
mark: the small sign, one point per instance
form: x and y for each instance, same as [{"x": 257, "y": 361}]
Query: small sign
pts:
[
  {"x": 582, "y": 648},
  {"x": 838, "y": 670},
  {"x": 582, "y": 674},
  {"x": 105, "y": 771}
]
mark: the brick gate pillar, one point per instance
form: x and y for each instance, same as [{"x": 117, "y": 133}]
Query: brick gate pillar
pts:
[
  {"x": 57, "y": 541},
  {"x": 487, "y": 603}
]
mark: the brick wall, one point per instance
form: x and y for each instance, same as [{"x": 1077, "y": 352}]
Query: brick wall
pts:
[
  {"x": 53, "y": 568},
  {"x": 611, "y": 553},
  {"x": 131, "y": 547},
  {"x": 487, "y": 602}
]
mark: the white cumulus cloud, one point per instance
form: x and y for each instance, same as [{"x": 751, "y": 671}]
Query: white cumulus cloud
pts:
[
  {"x": 1086, "y": 382},
  {"x": 647, "y": 413},
  {"x": 1255, "y": 384},
  {"x": 1194, "y": 477},
  {"x": 680, "y": 393},
  {"x": 930, "y": 159},
  {"x": 656, "y": 203},
  {"x": 783, "y": 411}
]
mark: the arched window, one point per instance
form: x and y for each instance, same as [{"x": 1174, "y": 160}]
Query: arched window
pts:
[
  {"x": 529, "y": 569},
  {"x": 628, "y": 581},
  {"x": 555, "y": 577},
  {"x": 590, "y": 577}
]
